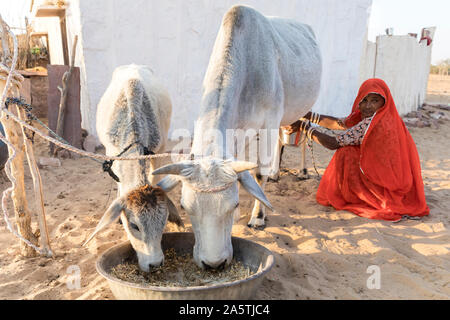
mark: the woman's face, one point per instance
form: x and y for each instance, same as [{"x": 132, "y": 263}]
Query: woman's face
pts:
[{"x": 370, "y": 104}]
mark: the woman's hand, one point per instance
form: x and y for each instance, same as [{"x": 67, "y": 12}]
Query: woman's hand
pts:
[
  {"x": 307, "y": 116},
  {"x": 296, "y": 126}
]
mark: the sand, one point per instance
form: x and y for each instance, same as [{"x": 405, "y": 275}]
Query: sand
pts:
[{"x": 320, "y": 253}]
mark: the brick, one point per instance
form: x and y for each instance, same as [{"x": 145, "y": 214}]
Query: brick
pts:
[{"x": 50, "y": 162}]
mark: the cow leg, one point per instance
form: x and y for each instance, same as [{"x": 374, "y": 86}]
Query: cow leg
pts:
[
  {"x": 267, "y": 161},
  {"x": 236, "y": 215},
  {"x": 303, "y": 173},
  {"x": 118, "y": 196},
  {"x": 257, "y": 220},
  {"x": 274, "y": 174}
]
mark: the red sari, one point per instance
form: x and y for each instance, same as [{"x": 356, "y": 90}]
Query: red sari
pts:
[{"x": 381, "y": 178}]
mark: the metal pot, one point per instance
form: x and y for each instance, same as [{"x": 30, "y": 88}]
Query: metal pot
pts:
[{"x": 292, "y": 139}]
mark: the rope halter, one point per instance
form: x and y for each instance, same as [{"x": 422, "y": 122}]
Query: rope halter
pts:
[{"x": 206, "y": 189}]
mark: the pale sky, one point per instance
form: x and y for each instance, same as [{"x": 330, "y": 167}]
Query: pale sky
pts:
[
  {"x": 14, "y": 11},
  {"x": 402, "y": 15},
  {"x": 406, "y": 16}
]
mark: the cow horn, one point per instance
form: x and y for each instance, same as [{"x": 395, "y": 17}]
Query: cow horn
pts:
[
  {"x": 181, "y": 168},
  {"x": 239, "y": 166}
]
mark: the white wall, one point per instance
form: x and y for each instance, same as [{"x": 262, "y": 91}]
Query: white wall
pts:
[
  {"x": 175, "y": 38},
  {"x": 367, "y": 66},
  {"x": 404, "y": 64}
]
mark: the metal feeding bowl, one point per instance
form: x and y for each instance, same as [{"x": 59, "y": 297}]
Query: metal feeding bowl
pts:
[{"x": 252, "y": 255}]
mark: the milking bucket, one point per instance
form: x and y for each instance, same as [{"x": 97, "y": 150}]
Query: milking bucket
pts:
[{"x": 292, "y": 139}]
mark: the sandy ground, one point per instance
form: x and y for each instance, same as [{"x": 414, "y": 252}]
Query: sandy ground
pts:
[{"x": 320, "y": 253}]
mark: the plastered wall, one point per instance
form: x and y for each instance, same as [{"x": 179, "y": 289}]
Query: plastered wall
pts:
[
  {"x": 404, "y": 64},
  {"x": 175, "y": 38}
]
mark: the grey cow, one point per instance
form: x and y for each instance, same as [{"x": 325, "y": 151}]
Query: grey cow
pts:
[
  {"x": 264, "y": 72},
  {"x": 133, "y": 118}
]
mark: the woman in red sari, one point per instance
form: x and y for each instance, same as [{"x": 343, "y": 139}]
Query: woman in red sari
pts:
[{"x": 375, "y": 172}]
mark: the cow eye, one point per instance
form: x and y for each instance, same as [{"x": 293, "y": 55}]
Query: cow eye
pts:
[
  {"x": 237, "y": 205},
  {"x": 134, "y": 226}
]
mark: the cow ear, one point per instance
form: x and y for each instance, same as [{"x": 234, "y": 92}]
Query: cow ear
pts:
[
  {"x": 173, "y": 213},
  {"x": 250, "y": 185},
  {"x": 111, "y": 215}
]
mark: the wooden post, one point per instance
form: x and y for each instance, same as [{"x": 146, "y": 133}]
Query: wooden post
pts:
[
  {"x": 64, "y": 91},
  {"x": 62, "y": 24},
  {"x": 38, "y": 189},
  {"x": 22, "y": 214},
  {"x": 12, "y": 134},
  {"x": 28, "y": 55}
]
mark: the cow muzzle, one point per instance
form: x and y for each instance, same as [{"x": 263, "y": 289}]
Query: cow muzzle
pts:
[{"x": 215, "y": 266}]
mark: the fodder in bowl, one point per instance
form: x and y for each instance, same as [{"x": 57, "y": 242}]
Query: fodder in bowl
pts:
[
  {"x": 255, "y": 259},
  {"x": 179, "y": 270}
]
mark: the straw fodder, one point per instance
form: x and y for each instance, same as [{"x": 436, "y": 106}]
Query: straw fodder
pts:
[{"x": 179, "y": 271}]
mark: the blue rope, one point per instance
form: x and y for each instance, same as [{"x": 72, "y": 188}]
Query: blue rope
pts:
[{"x": 21, "y": 103}]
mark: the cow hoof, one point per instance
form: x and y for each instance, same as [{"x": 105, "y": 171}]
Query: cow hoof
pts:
[
  {"x": 257, "y": 223},
  {"x": 236, "y": 215},
  {"x": 303, "y": 175},
  {"x": 274, "y": 176},
  {"x": 256, "y": 227}
]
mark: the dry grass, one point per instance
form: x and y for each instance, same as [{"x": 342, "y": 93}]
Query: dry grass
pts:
[
  {"x": 22, "y": 50},
  {"x": 438, "y": 90},
  {"x": 438, "y": 84}
]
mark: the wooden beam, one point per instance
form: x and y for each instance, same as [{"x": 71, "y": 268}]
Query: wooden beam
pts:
[
  {"x": 27, "y": 26},
  {"x": 64, "y": 91},
  {"x": 47, "y": 11},
  {"x": 38, "y": 34},
  {"x": 62, "y": 24}
]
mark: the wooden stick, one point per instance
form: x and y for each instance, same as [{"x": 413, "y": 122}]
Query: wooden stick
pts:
[
  {"x": 64, "y": 92},
  {"x": 12, "y": 133},
  {"x": 22, "y": 214},
  {"x": 28, "y": 55},
  {"x": 63, "y": 28},
  {"x": 38, "y": 190}
]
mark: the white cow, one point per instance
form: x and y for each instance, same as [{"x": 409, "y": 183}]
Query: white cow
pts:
[
  {"x": 133, "y": 118},
  {"x": 263, "y": 72}
]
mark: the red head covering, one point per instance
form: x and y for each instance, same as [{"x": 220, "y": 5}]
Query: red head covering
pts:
[{"x": 381, "y": 178}]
